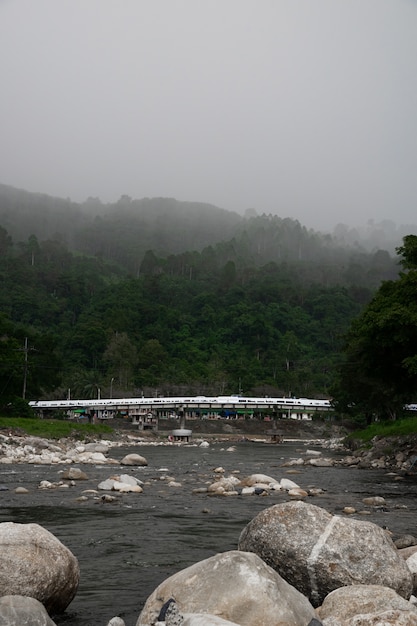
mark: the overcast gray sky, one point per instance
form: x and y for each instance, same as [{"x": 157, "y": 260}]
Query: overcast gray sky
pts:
[{"x": 304, "y": 108}]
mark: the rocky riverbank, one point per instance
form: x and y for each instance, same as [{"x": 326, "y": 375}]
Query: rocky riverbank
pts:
[
  {"x": 393, "y": 453},
  {"x": 68, "y": 470}
]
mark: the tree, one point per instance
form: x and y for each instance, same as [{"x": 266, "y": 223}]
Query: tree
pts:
[
  {"x": 121, "y": 357},
  {"x": 378, "y": 374},
  {"x": 409, "y": 252}
]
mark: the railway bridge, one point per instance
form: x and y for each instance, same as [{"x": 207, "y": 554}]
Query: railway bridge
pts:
[{"x": 142, "y": 410}]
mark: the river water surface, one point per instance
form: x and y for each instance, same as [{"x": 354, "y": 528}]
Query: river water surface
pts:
[{"x": 127, "y": 547}]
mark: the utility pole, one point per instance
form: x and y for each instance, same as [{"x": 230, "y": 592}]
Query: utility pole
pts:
[
  {"x": 25, "y": 368},
  {"x": 26, "y": 350}
]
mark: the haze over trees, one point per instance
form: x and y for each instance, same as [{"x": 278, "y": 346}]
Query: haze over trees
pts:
[{"x": 157, "y": 296}]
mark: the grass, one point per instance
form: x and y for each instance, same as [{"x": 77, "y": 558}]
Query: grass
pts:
[
  {"x": 397, "y": 428},
  {"x": 53, "y": 429}
]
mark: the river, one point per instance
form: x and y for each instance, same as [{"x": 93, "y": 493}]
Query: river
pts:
[{"x": 127, "y": 547}]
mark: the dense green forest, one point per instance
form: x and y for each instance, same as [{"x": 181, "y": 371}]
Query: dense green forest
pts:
[
  {"x": 158, "y": 296},
  {"x": 378, "y": 372}
]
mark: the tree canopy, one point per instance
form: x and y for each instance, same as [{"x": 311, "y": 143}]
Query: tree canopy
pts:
[
  {"x": 378, "y": 375},
  {"x": 139, "y": 297}
]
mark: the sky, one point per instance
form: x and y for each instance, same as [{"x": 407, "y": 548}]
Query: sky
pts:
[{"x": 302, "y": 108}]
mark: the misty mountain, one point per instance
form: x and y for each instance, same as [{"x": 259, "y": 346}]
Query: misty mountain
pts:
[{"x": 125, "y": 231}]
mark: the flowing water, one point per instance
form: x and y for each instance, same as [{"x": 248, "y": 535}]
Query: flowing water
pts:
[{"x": 127, "y": 547}]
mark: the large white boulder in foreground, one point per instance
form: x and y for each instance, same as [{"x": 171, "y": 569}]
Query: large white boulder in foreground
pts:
[
  {"x": 34, "y": 563},
  {"x": 318, "y": 552},
  {"x": 235, "y": 586}
]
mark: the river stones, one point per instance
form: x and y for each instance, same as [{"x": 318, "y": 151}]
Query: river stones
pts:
[
  {"x": 224, "y": 485},
  {"x": 96, "y": 447},
  {"x": 21, "y": 490},
  {"x": 18, "y": 610},
  {"x": 318, "y": 552},
  {"x": 412, "y": 566},
  {"x": 366, "y": 604},
  {"x": 254, "y": 479},
  {"x": 134, "y": 459},
  {"x": 74, "y": 473},
  {"x": 123, "y": 484},
  {"x": 34, "y": 563},
  {"x": 235, "y": 586}
]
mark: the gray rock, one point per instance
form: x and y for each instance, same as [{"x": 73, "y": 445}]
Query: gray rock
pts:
[
  {"x": 21, "y": 490},
  {"x": 407, "y": 552},
  {"x": 35, "y": 563},
  {"x": 318, "y": 552},
  {"x": 106, "y": 485},
  {"x": 23, "y": 611},
  {"x": 412, "y": 566},
  {"x": 74, "y": 473},
  {"x": 134, "y": 459},
  {"x": 37, "y": 442},
  {"x": 406, "y": 541},
  {"x": 236, "y": 586},
  {"x": 374, "y": 501},
  {"x": 205, "y": 619},
  {"x": 366, "y": 604},
  {"x": 130, "y": 480},
  {"x": 96, "y": 447}
]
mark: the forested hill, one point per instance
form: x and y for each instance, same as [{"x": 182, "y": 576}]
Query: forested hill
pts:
[
  {"x": 123, "y": 232},
  {"x": 159, "y": 296}
]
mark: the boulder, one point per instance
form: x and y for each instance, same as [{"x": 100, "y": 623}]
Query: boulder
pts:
[
  {"x": 321, "y": 462},
  {"x": 236, "y": 586},
  {"x": 129, "y": 484},
  {"x": 134, "y": 459},
  {"x": 130, "y": 480},
  {"x": 35, "y": 563},
  {"x": 406, "y": 552},
  {"x": 96, "y": 447},
  {"x": 374, "y": 501},
  {"x": 106, "y": 485},
  {"x": 19, "y": 610},
  {"x": 366, "y": 604},
  {"x": 91, "y": 457},
  {"x": 205, "y": 619},
  {"x": 412, "y": 566},
  {"x": 74, "y": 473},
  {"x": 297, "y": 493},
  {"x": 224, "y": 483},
  {"x": 406, "y": 541},
  {"x": 318, "y": 552},
  {"x": 259, "y": 479},
  {"x": 288, "y": 484},
  {"x": 170, "y": 615}
]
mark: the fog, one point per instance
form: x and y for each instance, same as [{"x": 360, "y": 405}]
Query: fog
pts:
[{"x": 302, "y": 108}]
